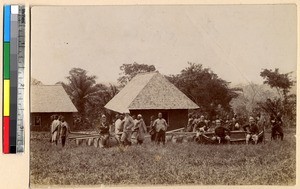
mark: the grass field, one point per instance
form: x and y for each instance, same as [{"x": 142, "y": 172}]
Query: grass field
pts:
[{"x": 272, "y": 163}]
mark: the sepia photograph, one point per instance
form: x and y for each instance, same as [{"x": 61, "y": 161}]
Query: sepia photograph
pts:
[{"x": 163, "y": 95}]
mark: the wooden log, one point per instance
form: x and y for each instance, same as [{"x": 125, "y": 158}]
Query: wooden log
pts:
[
  {"x": 84, "y": 137},
  {"x": 175, "y": 130}
]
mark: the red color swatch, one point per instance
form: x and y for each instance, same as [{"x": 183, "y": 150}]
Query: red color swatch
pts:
[{"x": 6, "y": 134}]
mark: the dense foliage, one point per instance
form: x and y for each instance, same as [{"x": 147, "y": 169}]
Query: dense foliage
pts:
[
  {"x": 285, "y": 103},
  {"x": 205, "y": 88}
]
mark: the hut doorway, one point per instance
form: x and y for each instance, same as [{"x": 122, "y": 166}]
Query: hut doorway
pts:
[{"x": 165, "y": 115}]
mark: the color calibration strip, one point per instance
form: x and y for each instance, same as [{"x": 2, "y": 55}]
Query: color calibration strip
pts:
[{"x": 13, "y": 78}]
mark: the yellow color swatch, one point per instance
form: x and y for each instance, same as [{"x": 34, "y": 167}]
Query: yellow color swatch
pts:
[{"x": 6, "y": 97}]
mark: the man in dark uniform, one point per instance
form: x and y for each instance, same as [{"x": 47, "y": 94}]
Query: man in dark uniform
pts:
[
  {"x": 276, "y": 123},
  {"x": 222, "y": 133}
]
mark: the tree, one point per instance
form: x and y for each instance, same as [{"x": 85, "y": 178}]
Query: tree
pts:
[
  {"x": 88, "y": 96},
  {"x": 205, "y": 88},
  {"x": 81, "y": 89},
  {"x": 281, "y": 82},
  {"x": 35, "y": 82},
  {"x": 247, "y": 101},
  {"x": 95, "y": 106},
  {"x": 131, "y": 70},
  {"x": 286, "y": 103}
]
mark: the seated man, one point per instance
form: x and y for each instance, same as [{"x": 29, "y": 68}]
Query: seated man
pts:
[
  {"x": 222, "y": 133},
  {"x": 234, "y": 125},
  {"x": 200, "y": 127},
  {"x": 251, "y": 130}
]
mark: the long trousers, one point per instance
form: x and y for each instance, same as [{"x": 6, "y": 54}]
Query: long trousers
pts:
[
  {"x": 160, "y": 137},
  {"x": 63, "y": 141}
]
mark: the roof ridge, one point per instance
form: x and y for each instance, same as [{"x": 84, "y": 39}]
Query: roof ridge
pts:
[{"x": 144, "y": 73}]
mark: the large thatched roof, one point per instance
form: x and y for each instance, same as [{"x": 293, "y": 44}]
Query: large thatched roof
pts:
[
  {"x": 149, "y": 91},
  {"x": 50, "y": 98}
]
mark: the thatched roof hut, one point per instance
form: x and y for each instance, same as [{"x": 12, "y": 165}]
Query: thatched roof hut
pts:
[
  {"x": 150, "y": 93},
  {"x": 47, "y": 100}
]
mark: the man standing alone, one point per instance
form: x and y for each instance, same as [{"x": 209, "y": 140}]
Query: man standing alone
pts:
[{"x": 161, "y": 126}]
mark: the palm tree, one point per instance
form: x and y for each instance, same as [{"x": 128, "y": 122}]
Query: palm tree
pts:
[{"x": 81, "y": 89}]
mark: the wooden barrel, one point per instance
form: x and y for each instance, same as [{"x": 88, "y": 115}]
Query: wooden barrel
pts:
[
  {"x": 89, "y": 141},
  {"x": 185, "y": 139},
  {"x": 78, "y": 141},
  {"x": 112, "y": 141},
  {"x": 96, "y": 142},
  {"x": 174, "y": 139},
  {"x": 169, "y": 138}
]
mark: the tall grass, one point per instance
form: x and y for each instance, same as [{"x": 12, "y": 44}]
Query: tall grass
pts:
[{"x": 272, "y": 163}]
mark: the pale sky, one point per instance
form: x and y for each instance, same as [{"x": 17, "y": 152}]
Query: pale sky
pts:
[{"x": 235, "y": 41}]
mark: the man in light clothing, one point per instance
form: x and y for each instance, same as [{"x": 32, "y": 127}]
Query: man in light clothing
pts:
[
  {"x": 139, "y": 130},
  {"x": 160, "y": 125},
  {"x": 55, "y": 129},
  {"x": 119, "y": 127},
  {"x": 251, "y": 130},
  {"x": 128, "y": 125}
]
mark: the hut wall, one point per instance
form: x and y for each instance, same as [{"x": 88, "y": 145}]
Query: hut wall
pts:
[
  {"x": 178, "y": 118},
  {"x": 45, "y": 119},
  {"x": 175, "y": 118}
]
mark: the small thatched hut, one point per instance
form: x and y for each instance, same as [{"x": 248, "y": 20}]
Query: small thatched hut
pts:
[
  {"x": 47, "y": 100},
  {"x": 151, "y": 93}
]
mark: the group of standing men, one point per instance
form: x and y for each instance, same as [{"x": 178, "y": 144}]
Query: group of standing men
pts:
[
  {"x": 130, "y": 129},
  {"x": 59, "y": 130}
]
